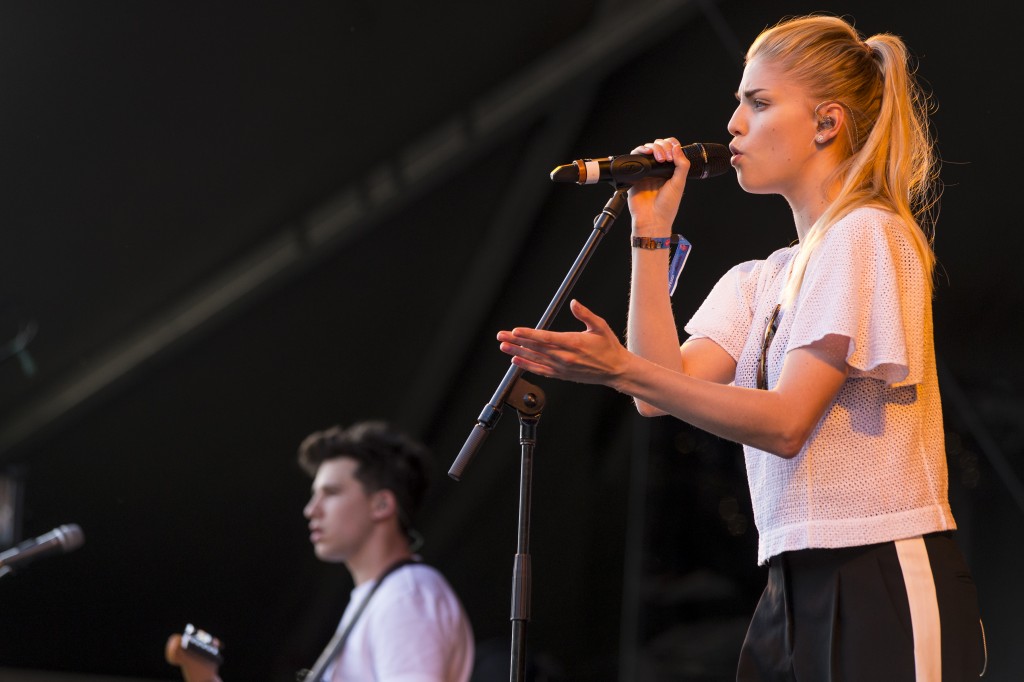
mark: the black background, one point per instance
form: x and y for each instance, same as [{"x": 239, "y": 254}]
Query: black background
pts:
[{"x": 149, "y": 149}]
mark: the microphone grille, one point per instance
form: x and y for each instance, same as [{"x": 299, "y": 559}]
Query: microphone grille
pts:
[
  {"x": 707, "y": 159},
  {"x": 70, "y": 536}
]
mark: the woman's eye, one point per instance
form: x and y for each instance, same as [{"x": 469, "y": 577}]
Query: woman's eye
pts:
[{"x": 759, "y": 104}]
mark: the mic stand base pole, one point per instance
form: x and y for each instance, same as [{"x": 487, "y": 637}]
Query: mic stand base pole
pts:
[{"x": 521, "y": 573}]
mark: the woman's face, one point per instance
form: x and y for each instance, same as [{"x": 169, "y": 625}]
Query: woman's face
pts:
[{"x": 773, "y": 131}]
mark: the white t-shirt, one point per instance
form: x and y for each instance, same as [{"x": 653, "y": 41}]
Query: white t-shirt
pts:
[
  {"x": 414, "y": 629},
  {"x": 874, "y": 468}
]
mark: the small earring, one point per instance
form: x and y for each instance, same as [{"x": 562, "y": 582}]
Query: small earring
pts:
[{"x": 820, "y": 139}]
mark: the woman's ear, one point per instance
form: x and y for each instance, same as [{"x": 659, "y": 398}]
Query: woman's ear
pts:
[{"x": 831, "y": 118}]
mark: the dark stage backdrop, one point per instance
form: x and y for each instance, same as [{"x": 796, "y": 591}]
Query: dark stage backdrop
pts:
[{"x": 149, "y": 147}]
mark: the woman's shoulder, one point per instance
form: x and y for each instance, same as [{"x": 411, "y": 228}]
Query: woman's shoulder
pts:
[
  {"x": 868, "y": 228},
  {"x": 753, "y": 276},
  {"x": 868, "y": 219},
  {"x": 774, "y": 262},
  {"x": 871, "y": 235}
]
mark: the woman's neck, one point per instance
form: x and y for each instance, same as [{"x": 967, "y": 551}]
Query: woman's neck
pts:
[{"x": 808, "y": 209}]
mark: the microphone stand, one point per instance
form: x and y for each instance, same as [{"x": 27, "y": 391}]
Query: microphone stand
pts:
[
  {"x": 528, "y": 401},
  {"x": 529, "y": 404}
]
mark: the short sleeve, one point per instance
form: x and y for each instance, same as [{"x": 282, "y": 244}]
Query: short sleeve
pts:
[
  {"x": 726, "y": 313},
  {"x": 865, "y": 281}
]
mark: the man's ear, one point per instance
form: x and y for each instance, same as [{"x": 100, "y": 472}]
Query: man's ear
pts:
[{"x": 383, "y": 504}]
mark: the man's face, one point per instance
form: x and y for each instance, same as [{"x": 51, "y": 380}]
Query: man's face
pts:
[{"x": 340, "y": 511}]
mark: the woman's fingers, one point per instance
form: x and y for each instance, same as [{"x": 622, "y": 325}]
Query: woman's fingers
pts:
[
  {"x": 586, "y": 356},
  {"x": 533, "y": 356},
  {"x": 663, "y": 148},
  {"x": 594, "y": 322},
  {"x": 653, "y": 202}
]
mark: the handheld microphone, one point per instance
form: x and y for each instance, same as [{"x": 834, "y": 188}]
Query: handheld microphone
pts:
[
  {"x": 707, "y": 159},
  {"x": 59, "y": 540}
]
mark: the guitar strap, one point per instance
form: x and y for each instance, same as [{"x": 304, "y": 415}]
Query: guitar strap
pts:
[{"x": 337, "y": 642}]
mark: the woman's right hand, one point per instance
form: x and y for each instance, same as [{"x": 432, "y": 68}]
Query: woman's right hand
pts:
[{"x": 653, "y": 202}]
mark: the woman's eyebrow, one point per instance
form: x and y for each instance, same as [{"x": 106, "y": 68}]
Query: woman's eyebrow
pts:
[{"x": 749, "y": 94}]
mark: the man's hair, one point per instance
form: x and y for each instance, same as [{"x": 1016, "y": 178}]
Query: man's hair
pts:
[{"x": 387, "y": 460}]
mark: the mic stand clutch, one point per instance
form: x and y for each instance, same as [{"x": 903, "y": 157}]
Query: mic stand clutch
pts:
[{"x": 528, "y": 401}]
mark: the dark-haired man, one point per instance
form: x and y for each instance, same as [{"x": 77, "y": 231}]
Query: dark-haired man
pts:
[
  {"x": 368, "y": 481},
  {"x": 403, "y": 622}
]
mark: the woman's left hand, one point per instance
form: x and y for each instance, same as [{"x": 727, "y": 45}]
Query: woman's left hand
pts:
[{"x": 593, "y": 356}]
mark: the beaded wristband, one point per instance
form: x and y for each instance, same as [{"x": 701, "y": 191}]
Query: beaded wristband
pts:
[
  {"x": 654, "y": 242},
  {"x": 682, "y": 252}
]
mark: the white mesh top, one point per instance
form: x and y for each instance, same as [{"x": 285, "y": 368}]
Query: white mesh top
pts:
[{"x": 874, "y": 468}]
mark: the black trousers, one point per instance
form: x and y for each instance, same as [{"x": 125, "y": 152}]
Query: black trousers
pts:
[{"x": 895, "y": 611}]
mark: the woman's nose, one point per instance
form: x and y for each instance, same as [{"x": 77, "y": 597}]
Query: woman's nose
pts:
[{"x": 734, "y": 126}]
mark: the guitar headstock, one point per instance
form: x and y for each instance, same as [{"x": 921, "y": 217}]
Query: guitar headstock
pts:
[
  {"x": 201, "y": 643},
  {"x": 196, "y": 652}
]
